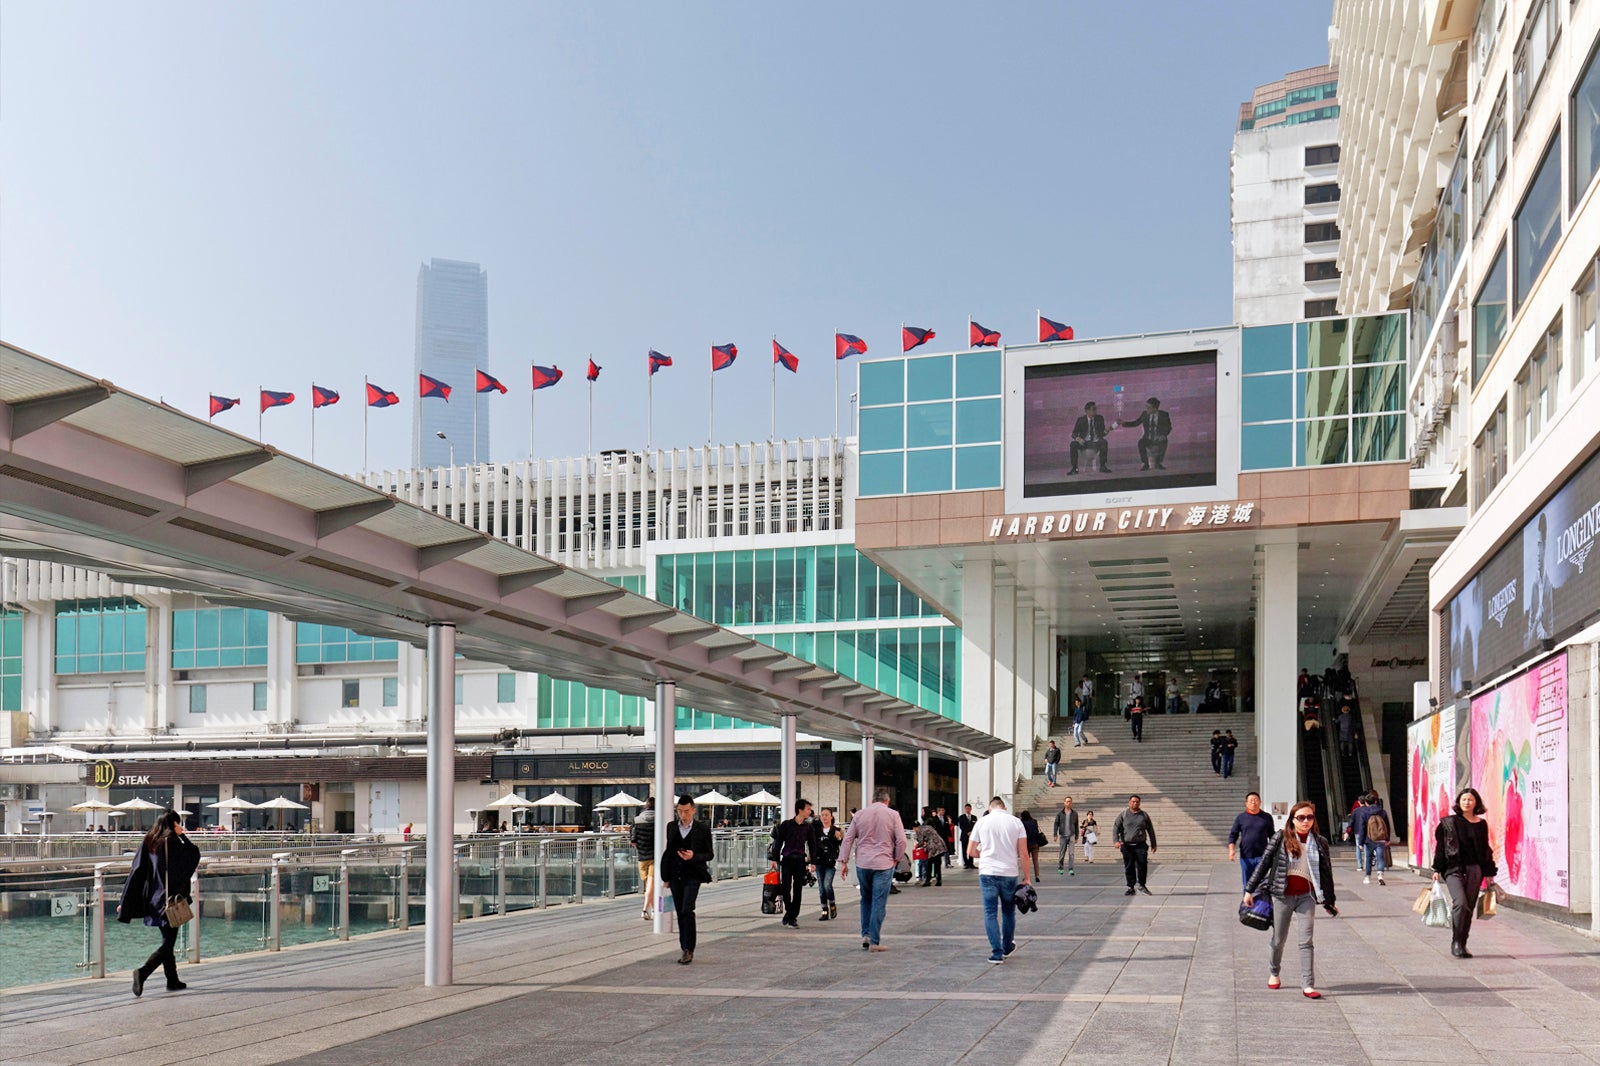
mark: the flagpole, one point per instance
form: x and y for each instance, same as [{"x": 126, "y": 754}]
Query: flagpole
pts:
[
  {"x": 260, "y": 410},
  {"x": 475, "y": 395},
  {"x": 313, "y": 424},
  {"x": 649, "y": 400},
  {"x": 531, "y": 394},
  {"x": 772, "y": 430},
  {"x": 366, "y": 407},
  {"x": 591, "y": 411},
  {"x": 711, "y": 401},
  {"x": 836, "y": 385}
]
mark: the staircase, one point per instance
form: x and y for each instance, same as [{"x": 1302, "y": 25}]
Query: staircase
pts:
[{"x": 1191, "y": 807}]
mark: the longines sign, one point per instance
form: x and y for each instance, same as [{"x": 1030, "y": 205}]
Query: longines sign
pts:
[{"x": 1112, "y": 521}]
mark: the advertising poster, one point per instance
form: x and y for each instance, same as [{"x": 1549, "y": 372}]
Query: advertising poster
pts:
[
  {"x": 1432, "y": 749},
  {"x": 1117, "y": 425},
  {"x": 1519, "y": 765}
]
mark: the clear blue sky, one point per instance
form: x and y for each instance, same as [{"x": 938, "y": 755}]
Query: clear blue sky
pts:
[{"x": 208, "y": 197}]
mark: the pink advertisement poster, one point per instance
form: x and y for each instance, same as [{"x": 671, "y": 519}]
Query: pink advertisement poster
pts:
[
  {"x": 1433, "y": 780},
  {"x": 1519, "y": 764}
]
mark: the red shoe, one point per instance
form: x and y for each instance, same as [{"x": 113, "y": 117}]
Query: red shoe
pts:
[
  {"x": 1310, "y": 993},
  {"x": 1273, "y": 982}
]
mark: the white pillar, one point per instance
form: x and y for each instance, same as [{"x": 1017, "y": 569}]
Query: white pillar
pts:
[
  {"x": 962, "y": 784},
  {"x": 1277, "y": 652},
  {"x": 922, "y": 779},
  {"x": 977, "y": 667},
  {"x": 786, "y": 771},
  {"x": 1003, "y": 698},
  {"x": 869, "y": 777},
  {"x": 666, "y": 774},
  {"x": 1044, "y": 661},
  {"x": 441, "y": 881},
  {"x": 1025, "y": 679}
]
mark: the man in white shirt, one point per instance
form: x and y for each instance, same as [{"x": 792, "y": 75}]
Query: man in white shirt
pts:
[{"x": 1000, "y": 844}]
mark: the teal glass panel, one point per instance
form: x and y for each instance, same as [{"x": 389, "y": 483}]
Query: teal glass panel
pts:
[
  {"x": 1266, "y": 348},
  {"x": 978, "y": 374},
  {"x": 743, "y": 587},
  {"x": 867, "y": 664},
  {"x": 134, "y": 626},
  {"x": 258, "y": 695},
  {"x": 1377, "y": 388},
  {"x": 391, "y": 692},
  {"x": 1323, "y": 442},
  {"x": 182, "y": 633},
  {"x": 883, "y": 474},
  {"x": 1322, "y": 343},
  {"x": 256, "y": 625},
  {"x": 207, "y": 629},
  {"x": 111, "y": 633},
  {"x": 197, "y": 699},
  {"x": 978, "y": 468},
  {"x": 889, "y": 595},
  {"x": 722, "y": 589},
  {"x": 1267, "y": 447},
  {"x": 928, "y": 425},
  {"x": 705, "y": 585},
  {"x": 844, "y": 597},
  {"x": 866, "y": 589},
  {"x": 1378, "y": 339},
  {"x": 335, "y": 653},
  {"x": 230, "y": 657},
  {"x": 232, "y": 624},
  {"x": 506, "y": 688},
  {"x": 929, "y": 471},
  {"x": 89, "y": 635},
  {"x": 66, "y": 637},
  {"x": 182, "y": 660},
  {"x": 844, "y": 654},
  {"x": 978, "y": 421},
  {"x": 1379, "y": 439},
  {"x": 930, "y": 378},
  {"x": 825, "y": 569},
  {"x": 785, "y": 593},
  {"x": 825, "y": 655},
  {"x": 358, "y": 651},
  {"x": 804, "y": 587},
  {"x": 764, "y": 582},
  {"x": 1323, "y": 393},
  {"x": 883, "y": 382},
  {"x": 1268, "y": 399},
  {"x": 950, "y": 640},
  {"x": 883, "y": 428}
]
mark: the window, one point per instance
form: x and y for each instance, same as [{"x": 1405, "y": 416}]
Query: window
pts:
[
  {"x": 335, "y": 644},
  {"x": 258, "y": 696},
  {"x": 1324, "y": 193},
  {"x": 1489, "y": 454},
  {"x": 1539, "y": 387},
  {"x": 1317, "y": 232},
  {"x": 197, "y": 699},
  {"x": 1318, "y": 155},
  {"x": 506, "y": 688},
  {"x": 461, "y": 690},
  {"x": 1489, "y": 165},
  {"x": 391, "y": 692},
  {"x": 99, "y": 636},
  {"x": 1586, "y": 308},
  {"x": 10, "y": 661},
  {"x": 1312, "y": 93},
  {"x": 1586, "y": 128},
  {"x": 1316, "y": 114},
  {"x": 1486, "y": 33},
  {"x": 1320, "y": 308},
  {"x": 218, "y": 636},
  {"x": 350, "y": 693},
  {"x": 1537, "y": 224},
  {"x": 1322, "y": 270},
  {"x": 1535, "y": 45},
  {"x": 1489, "y": 316}
]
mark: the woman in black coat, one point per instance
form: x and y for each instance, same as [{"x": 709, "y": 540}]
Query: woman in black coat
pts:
[
  {"x": 1463, "y": 859},
  {"x": 165, "y": 857}
]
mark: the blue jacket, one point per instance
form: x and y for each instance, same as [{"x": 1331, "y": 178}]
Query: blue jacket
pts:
[{"x": 1251, "y": 833}]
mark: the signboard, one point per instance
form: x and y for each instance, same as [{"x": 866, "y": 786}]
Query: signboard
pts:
[
  {"x": 1519, "y": 765},
  {"x": 1431, "y": 749},
  {"x": 105, "y": 773},
  {"x": 1114, "y": 521},
  {"x": 321, "y": 882},
  {"x": 1536, "y": 588},
  {"x": 63, "y": 907}
]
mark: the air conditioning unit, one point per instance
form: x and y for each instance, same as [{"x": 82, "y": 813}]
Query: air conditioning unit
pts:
[
  {"x": 318, "y": 670},
  {"x": 183, "y": 675}
]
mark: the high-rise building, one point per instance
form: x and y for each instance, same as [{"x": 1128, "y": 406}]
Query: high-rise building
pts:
[
  {"x": 452, "y": 345},
  {"x": 1284, "y": 197}
]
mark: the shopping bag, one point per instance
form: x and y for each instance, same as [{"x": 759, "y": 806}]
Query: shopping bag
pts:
[
  {"x": 919, "y": 853},
  {"x": 1437, "y": 915},
  {"x": 1421, "y": 904},
  {"x": 1488, "y": 903}
]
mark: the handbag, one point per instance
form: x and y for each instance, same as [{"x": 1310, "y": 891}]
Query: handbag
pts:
[
  {"x": 1437, "y": 916},
  {"x": 178, "y": 910},
  {"x": 919, "y": 854},
  {"x": 1257, "y": 915}
]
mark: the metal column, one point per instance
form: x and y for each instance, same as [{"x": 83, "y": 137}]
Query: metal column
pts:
[
  {"x": 666, "y": 761},
  {"x": 869, "y": 779},
  {"x": 961, "y": 784},
  {"x": 922, "y": 779},
  {"x": 786, "y": 768},
  {"x": 439, "y": 965}
]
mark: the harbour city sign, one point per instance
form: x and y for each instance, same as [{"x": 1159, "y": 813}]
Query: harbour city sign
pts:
[{"x": 1114, "y": 521}]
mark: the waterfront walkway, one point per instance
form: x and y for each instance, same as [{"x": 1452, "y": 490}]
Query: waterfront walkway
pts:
[{"x": 1098, "y": 978}]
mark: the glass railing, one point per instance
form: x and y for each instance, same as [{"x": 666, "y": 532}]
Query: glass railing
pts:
[{"x": 58, "y": 918}]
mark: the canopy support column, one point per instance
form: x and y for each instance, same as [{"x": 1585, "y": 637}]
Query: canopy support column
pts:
[
  {"x": 787, "y": 769},
  {"x": 666, "y": 711},
  {"x": 439, "y": 964},
  {"x": 869, "y": 779}
]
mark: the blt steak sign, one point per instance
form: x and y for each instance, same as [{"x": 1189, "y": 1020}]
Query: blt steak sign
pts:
[{"x": 1112, "y": 521}]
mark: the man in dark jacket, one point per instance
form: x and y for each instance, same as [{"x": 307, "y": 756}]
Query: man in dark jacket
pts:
[
  {"x": 1247, "y": 840},
  {"x": 1089, "y": 435},
  {"x": 1157, "y": 428},
  {"x": 965, "y": 821},
  {"x": 794, "y": 845},
  {"x": 684, "y": 868},
  {"x": 1066, "y": 830},
  {"x": 644, "y": 842},
  {"x": 1134, "y": 834}
]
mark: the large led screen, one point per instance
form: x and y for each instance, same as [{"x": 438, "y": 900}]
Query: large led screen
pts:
[
  {"x": 1519, "y": 765},
  {"x": 1120, "y": 425}
]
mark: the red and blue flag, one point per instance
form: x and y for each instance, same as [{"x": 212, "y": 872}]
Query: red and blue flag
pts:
[
  {"x": 321, "y": 397},
  {"x": 489, "y": 383},
  {"x": 981, "y": 337},
  {"x": 275, "y": 399},
  {"x": 913, "y": 337},
  {"x": 380, "y": 397},
  {"x": 545, "y": 376},
  {"x": 657, "y": 361},
  {"x": 220, "y": 404},
  {"x": 1051, "y": 330},
  {"x": 594, "y": 371},
  {"x": 723, "y": 355},
  {"x": 846, "y": 344},
  {"x": 432, "y": 387},
  {"x": 780, "y": 354}
]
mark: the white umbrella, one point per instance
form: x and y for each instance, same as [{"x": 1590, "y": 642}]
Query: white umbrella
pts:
[
  {"x": 139, "y": 804},
  {"x": 233, "y": 803},
  {"x": 555, "y": 799},
  {"x": 762, "y": 799},
  {"x": 512, "y": 800},
  {"x": 90, "y": 807},
  {"x": 715, "y": 799},
  {"x": 621, "y": 799},
  {"x": 281, "y": 804}
]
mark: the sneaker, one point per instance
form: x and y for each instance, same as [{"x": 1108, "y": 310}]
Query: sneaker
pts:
[
  {"x": 1366, "y": 880},
  {"x": 1128, "y": 893},
  {"x": 1072, "y": 873},
  {"x": 1146, "y": 891},
  {"x": 996, "y": 960},
  {"x": 1381, "y": 881},
  {"x": 1010, "y": 949},
  {"x": 1060, "y": 870},
  {"x": 823, "y": 916}
]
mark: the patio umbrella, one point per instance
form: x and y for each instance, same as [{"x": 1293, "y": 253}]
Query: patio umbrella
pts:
[
  {"x": 90, "y": 807},
  {"x": 621, "y": 799},
  {"x": 715, "y": 799},
  {"x": 512, "y": 802},
  {"x": 233, "y": 805},
  {"x": 281, "y": 804},
  {"x": 139, "y": 804},
  {"x": 762, "y": 799},
  {"x": 555, "y": 799}
]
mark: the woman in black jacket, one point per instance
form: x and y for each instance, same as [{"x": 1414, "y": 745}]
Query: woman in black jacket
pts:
[
  {"x": 1299, "y": 864},
  {"x": 1463, "y": 858},
  {"x": 829, "y": 837},
  {"x": 165, "y": 858}
]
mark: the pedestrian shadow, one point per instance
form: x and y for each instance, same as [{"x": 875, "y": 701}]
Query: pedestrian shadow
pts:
[{"x": 1390, "y": 988}]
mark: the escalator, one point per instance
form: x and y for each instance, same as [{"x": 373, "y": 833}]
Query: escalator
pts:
[{"x": 1314, "y": 779}]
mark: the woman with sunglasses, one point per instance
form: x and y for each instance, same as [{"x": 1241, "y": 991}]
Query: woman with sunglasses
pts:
[
  {"x": 1464, "y": 860},
  {"x": 1300, "y": 867}
]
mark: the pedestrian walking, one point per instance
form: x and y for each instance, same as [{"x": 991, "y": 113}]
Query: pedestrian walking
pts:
[
  {"x": 1136, "y": 718},
  {"x": 794, "y": 847},
  {"x": 1347, "y": 731},
  {"x": 1463, "y": 859},
  {"x": 1376, "y": 826},
  {"x": 643, "y": 838},
  {"x": 1216, "y": 752},
  {"x": 1357, "y": 829},
  {"x": 1080, "y": 715},
  {"x": 1230, "y": 745},
  {"x": 931, "y": 842},
  {"x": 1134, "y": 834},
  {"x": 1247, "y": 840},
  {"x": 947, "y": 831},
  {"x": 684, "y": 868},
  {"x": 1000, "y": 844},
  {"x": 1052, "y": 760},
  {"x": 1036, "y": 840},
  {"x": 162, "y": 869},
  {"x": 1297, "y": 872},
  {"x": 964, "y": 822},
  {"x": 1089, "y": 830},
  {"x": 1066, "y": 831},
  {"x": 829, "y": 836},
  {"x": 877, "y": 838}
]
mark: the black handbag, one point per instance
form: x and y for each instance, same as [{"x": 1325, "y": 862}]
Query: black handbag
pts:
[{"x": 1257, "y": 915}]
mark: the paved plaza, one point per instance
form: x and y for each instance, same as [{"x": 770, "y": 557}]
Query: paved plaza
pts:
[{"x": 1097, "y": 978}]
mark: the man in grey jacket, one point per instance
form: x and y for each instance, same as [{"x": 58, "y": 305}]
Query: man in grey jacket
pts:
[
  {"x": 1066, "y": 829},
  {"x": 1134, "y": 835}
]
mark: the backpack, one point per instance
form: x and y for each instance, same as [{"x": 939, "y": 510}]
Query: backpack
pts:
[{"x": 1378, "y": 828}]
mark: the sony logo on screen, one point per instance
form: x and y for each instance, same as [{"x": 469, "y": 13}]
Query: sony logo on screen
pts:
[
  {"x": 1125, "y": 520},
  {"x": 1576, "y": 540},
  {"x": 1501, "y": 602}
]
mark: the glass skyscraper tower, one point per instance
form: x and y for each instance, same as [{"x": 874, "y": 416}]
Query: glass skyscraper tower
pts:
[{"x": 452, "y": 344}]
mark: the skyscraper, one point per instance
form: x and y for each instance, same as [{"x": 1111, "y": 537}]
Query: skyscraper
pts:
[{"x": 452, "y": 344}]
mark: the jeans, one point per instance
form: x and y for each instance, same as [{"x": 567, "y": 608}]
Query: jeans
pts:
[
  {"x": 1246, "y": 868},
  {"x": 1136, "y": 720},
  {"x": 1379, "y": 851},
  {"x": 1050, "y": 772},
  {"x": 1136, "y": 863},
  {"x": 1227, "y": 764},
  {"x": 1077, "y": 733},
  {"x": 792, "y": 879},
  {"x": 1463, "y": 884},
  {"x": 1001, "y": 930},
  {"x": 1284, "y": 908},
  {"x": 825, "y": 884},
  {"x": 684, "y": 893},
  {"x": 874, "y": 900}
]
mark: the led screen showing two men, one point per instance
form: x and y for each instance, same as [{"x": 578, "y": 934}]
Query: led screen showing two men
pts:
[{"x": 1119, "y": 425}]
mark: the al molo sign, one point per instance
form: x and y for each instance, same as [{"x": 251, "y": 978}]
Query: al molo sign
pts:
[{"x": 1113, "y": 521}]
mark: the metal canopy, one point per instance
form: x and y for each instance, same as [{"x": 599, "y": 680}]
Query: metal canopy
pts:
[{"x": 96, "y": 477}]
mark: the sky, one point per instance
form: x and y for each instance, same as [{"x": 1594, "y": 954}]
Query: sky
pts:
[{"x": 203, "y": 198}]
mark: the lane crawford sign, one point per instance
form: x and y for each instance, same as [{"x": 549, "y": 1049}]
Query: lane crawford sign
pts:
[{"x": 1116, "y": 521}]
